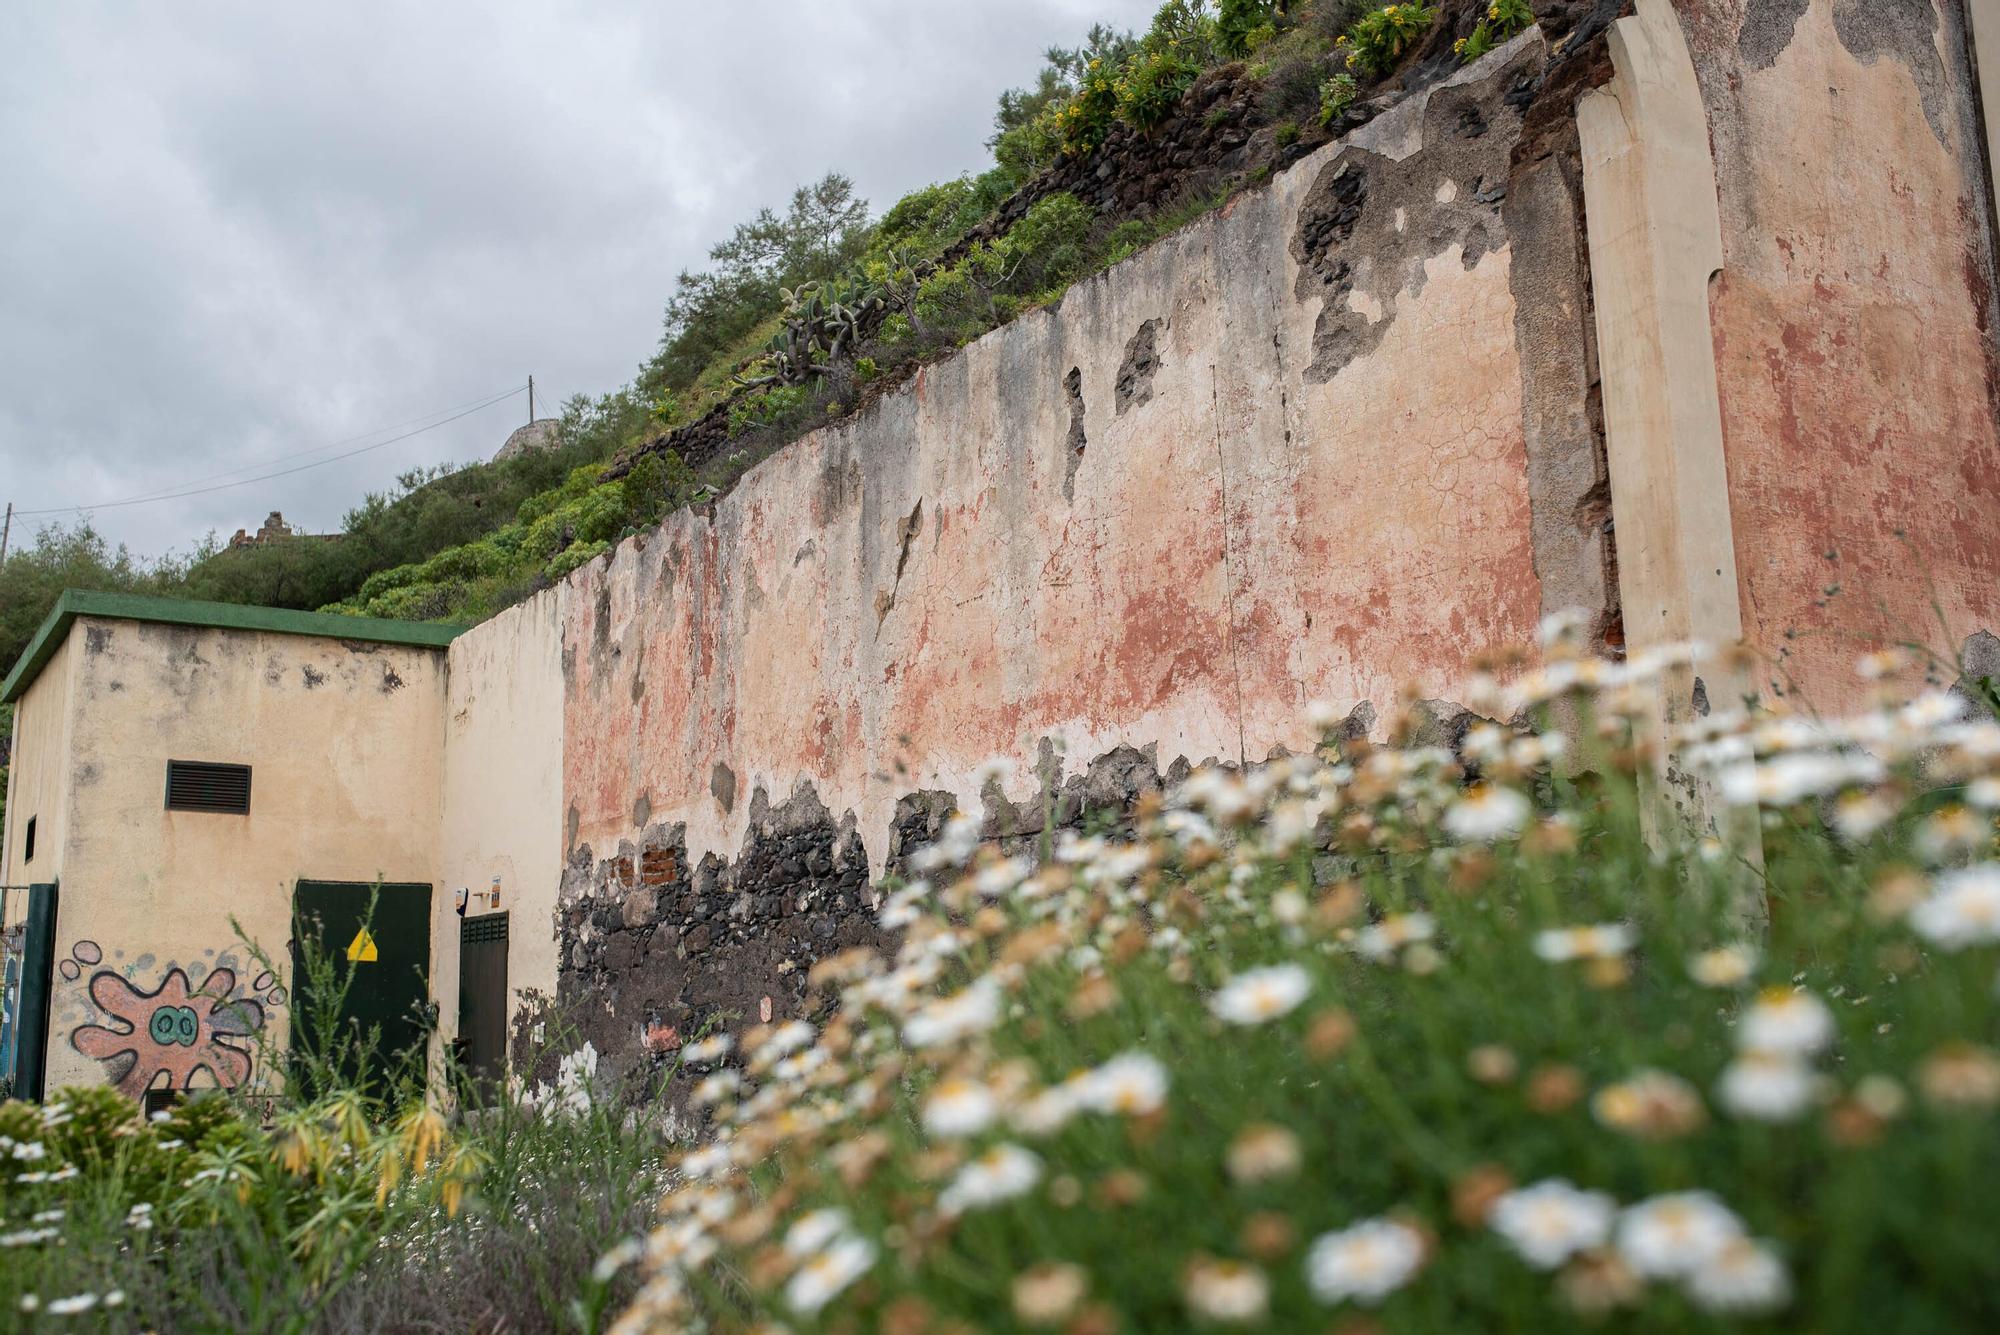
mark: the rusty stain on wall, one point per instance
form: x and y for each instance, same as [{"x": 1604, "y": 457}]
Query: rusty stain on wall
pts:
[{"x": 1853, "y": 335}]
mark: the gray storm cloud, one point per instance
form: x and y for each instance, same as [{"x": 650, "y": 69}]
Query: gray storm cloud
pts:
[{"x": 236, "y": 231}]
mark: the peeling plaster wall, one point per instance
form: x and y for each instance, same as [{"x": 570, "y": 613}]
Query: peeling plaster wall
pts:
[
  {"x": 1852, "y": 324},
  {"x": 346, "y": 743},
  {"x": 502, "y": 807},
  {"x": 914, "y": 589},
  {"x": 1278, "y": 457}
]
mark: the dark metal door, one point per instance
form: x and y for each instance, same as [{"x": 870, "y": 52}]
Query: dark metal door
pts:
[
  {"x": 482, "y": 1000},
  {"x": 375, "y": 946},
  {"x": 30, "y": 1021}
]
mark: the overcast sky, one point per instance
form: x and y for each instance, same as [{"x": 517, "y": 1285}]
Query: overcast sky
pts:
[{"x": 230, "y": 232}]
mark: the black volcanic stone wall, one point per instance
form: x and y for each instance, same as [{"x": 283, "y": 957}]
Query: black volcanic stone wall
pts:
[{"x": 654, "y": 949}]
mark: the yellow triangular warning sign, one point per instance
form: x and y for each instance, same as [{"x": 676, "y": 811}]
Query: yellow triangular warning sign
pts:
[{"x": 361, "y": 950}]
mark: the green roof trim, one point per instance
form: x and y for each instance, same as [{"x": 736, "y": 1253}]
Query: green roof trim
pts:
[{"x": 213, "y": 616}]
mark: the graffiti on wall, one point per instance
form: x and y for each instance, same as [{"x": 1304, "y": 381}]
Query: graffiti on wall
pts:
[{"x": 176, "y": 1028}]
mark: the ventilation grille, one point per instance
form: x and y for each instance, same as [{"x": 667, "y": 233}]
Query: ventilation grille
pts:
[
  {"x": 194, "y": 785},
  {"x": 486, "y": 927}
]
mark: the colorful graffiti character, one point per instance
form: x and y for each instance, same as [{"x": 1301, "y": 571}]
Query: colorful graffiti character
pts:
[{"x": 175, "y": 1028}]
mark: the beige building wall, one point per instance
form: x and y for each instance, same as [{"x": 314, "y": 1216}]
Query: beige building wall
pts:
[
  {"x": 346, "y": 744},
  {"x": 502, "y": 810},
  {"x": 38, "y": 781}
]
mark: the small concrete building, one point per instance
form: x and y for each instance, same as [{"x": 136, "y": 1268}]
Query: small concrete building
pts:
[{"x": 199, "y": 793}]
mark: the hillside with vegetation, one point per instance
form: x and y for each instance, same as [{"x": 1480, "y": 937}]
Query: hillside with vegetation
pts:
[{"x": 808, "y": 311}]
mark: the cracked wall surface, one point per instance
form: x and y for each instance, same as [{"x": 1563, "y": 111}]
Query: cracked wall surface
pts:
[
  {"x": 1248, "y": 539},
  {"x": 1853, "y": 329},
  {"x": 1155, "y": 520}
]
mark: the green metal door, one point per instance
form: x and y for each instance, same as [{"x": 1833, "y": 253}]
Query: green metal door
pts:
[
  {"x": 30, "y": 1021},
  {"x": 365, "y": 1008},
  {"x": 482, "y": 1003}
]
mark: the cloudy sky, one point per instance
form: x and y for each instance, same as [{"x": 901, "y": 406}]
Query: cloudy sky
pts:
[{"x": 233, "y": 232}]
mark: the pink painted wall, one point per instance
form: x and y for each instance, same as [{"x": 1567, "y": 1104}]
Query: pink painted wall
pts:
[
  {"x": 888, "y": 603},
  {"x": 1852, "y": 332}
]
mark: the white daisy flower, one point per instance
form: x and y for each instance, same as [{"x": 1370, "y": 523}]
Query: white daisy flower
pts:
[
  {"x": 814, "y": 1231},
  {"x": 1859, "y": 814},
  {"x": 1045, "y": 1113},
  {"x": 824, "y": 1276},
  {"x": 1367, "y": 1262},
  {"x": 960, "y": 1107},
  {"x": 1000, "y": 1174},
  {"x": 1486, "y": 814},
  {"x": 1132, "y": 1084},
  {"x": 1786, "y": 1022},
  {"x": 1675, "y": 1235},
  {"x": 1744, "y": 1276},
  {"x": 1260, "y": 995},
  {"x": 73, "y": 1306},
  {"x": 1566, "y": 626},
  {"x": 1787, "y": 779},
  {"x": 999, "y": 878},
  {"x": 787, "y": 1038},
  {"x": 1230, "y": 1292},
  {"x": 972, "y": 1011},
  {"x": 1381, "y": 941},
  {"x": 1604, "y": 941},
  {"x": 710, "y": 1161},
  {"x": 716, "y": 1088},
  {"x": 1725, "y": 966},
  {"x": 1933, "y": 709},
  {"x": 1952, "y": 832},
  {"x": 711, "y": 1049},
  {"x": 1767, "y": 1087},
  {"x": 1552, "y": 1221},
  {"x": 1290, "y": 824},
  {"x": 1963, "y": 910}
]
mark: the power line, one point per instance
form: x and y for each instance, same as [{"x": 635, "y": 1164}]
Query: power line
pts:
[
  {"x": 420, "y": 418},
  {"x": 267, "y": 477}
]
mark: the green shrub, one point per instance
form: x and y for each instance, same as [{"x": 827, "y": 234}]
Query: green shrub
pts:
[
  {"x": 925, "y": 222},
  {"x": 1382, "y": 37},
  {"x": 1151, "y": 87},
  {"x": 1048, "y": 245},
  {"x": 1336, "y": 95},
  {"x": 1026, "y": 150},
  {"x": 1085, "y": 121},
  {"x": 1505, "y": 20},
  {"x": 1243, "y": 26},
  {"x": 1186, "y": 28},
  {"x": 580, "y": 554},
  {"x": 769, "y": 407}
]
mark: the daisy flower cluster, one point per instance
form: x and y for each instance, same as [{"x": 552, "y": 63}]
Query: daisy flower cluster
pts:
[{"x": 1342, "y": 1030}]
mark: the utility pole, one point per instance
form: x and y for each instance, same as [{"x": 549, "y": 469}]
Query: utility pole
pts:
[
  {"x": 6, "y": 529},
  {"x": 531, "y": 400}
]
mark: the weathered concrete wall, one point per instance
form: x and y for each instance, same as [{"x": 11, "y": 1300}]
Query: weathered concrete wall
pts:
[
  {"x": 346, "y": 742},
  {"x": 1278, "y": 458},
  {"x": 502, "y": 804},
  {"x": 1853, "y": 328},
  {"x": 38, "y": 780}
]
